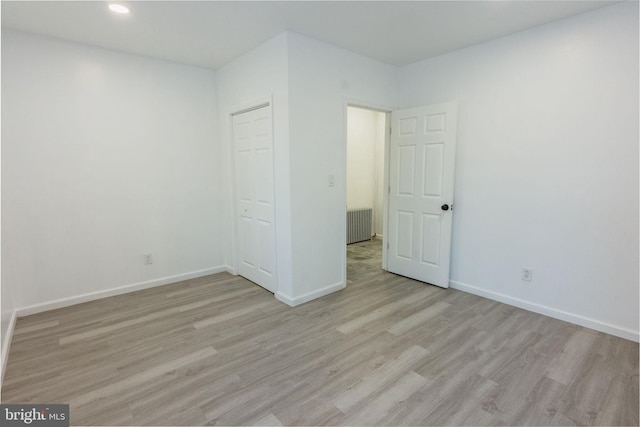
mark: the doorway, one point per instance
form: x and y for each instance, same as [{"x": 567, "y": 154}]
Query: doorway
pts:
[
  {"x": 413, "y": 180},
  {"x": 367, "y": 131}
]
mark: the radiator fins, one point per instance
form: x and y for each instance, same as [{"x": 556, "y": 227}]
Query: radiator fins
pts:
[{"x": 358, "y": 225}]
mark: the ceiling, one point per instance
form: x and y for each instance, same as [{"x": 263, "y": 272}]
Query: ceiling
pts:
[{"x": 213, "y": 33}]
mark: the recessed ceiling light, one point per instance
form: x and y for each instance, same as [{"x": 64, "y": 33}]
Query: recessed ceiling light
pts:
[{"x": 119, "y": 8}]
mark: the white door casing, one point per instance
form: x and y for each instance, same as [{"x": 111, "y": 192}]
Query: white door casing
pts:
[
  {"x": 254, "y": 179},
  {"x": 421, "y": 180}
]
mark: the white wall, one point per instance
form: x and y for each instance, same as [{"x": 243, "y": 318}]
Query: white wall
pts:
[
  {"x": 361, "y": 156},
  {"x": 365, "y": 162},
  {"x": 259, "y": 75},
  {"x": 322, "y": 79},
  {"x": 547, "y": 165},
  {"x": 105, "y": 157}
]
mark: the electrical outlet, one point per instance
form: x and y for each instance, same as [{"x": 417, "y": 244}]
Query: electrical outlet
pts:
[
  {"x": 527, "y": 274},
  {"x": 148, "y": 259}
]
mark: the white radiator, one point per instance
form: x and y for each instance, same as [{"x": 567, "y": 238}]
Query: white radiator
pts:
[{"x": 358, "y": 225}]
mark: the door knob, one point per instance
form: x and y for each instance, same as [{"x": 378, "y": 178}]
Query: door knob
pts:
[{"x": 444, "y": 207}]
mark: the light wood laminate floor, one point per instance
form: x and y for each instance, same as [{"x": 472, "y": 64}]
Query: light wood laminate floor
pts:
[{"x": 385, "y": 351}]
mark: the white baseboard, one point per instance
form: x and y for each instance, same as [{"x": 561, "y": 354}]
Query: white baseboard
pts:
[
  {"x": 77, "y": 299},
  {"x": 293, "y": 301},
  {"x": 6, "y": 343},
  {"x": 549, "y": 311}
]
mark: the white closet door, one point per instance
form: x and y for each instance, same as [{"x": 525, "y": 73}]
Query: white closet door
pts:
[{"x": 253, "y": 154}]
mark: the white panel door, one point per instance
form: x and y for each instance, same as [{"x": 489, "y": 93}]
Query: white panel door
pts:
[
  {"x": 421, "y": 174},
  {"x": 253, "y": 154}
]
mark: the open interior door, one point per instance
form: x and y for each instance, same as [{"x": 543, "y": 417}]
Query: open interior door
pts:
[{"x": 421, "y": 177}]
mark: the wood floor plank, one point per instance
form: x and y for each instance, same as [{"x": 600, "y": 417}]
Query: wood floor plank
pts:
[
  {"x": 35, "y": 327},
  {"x": 379, "y": 407},
  {"x": 541, "y": 404},
  {"x": 583, "y": 399},
  {"x": 386, "y": 350},
  {"x": 564, "y": 368},
  {"x": 232, "y": 315},
  {"x": 150, "y": 374},
  {"x": 418, "y": 318},
  {"x": 268, "y": 420},
  {"x": 377, "y": 379},
  {"x": 188, "y": 392},
  {"x": 462, "y": 400},
  {"x": 561, "y": 420},
  {"x": 618, "y": 409}
]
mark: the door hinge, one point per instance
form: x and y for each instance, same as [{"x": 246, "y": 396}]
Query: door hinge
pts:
[{"x": 389, "y": 190}]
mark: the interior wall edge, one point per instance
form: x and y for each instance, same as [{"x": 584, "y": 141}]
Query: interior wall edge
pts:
[{"x": 544, "y": 310}]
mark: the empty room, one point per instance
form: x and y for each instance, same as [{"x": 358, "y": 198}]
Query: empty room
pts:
[{"x": 179, "y": 201}]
